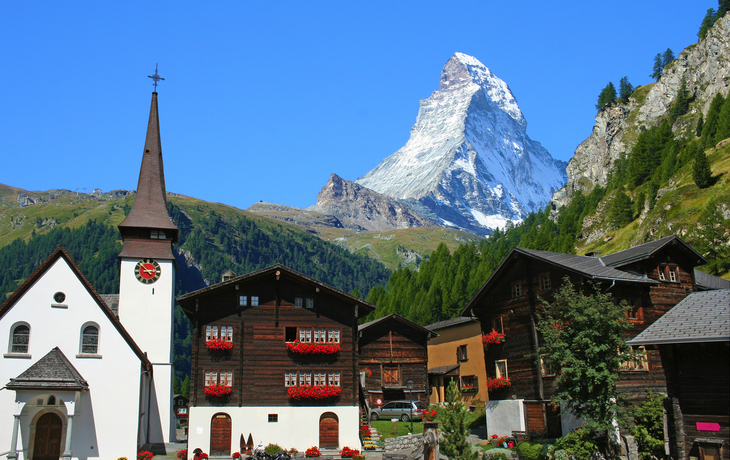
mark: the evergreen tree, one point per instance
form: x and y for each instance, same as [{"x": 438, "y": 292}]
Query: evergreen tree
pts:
[
  {"x": 454, "y": 428},
  {"x": 582, "y": 335},
  {"x": 185, "y": 387},
  {"x": 701, "y": 170},
  {"x": 707, "y": 23},
  {"x": 607, "y": 95},
  {"x": 667, "y": 58},
  {"x": 723, "y": 6},
  {"x": 621, "y": 212},
  {"x": 700, "y": 123},
  {"x": 710, "y": 241},
  {"x": 681, "y": 103},
  {"x": 657, "y": 73},
  {"x": 712, "y": 121},
  {"x": 723, "y": 122},
  {"x": 625, "y": 89}
]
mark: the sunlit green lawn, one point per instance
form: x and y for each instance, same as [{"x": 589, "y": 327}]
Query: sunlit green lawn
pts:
[{"x": 385, "y": 428}]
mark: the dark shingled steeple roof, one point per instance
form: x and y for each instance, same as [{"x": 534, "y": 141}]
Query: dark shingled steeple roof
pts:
[{"x": 150, "y": 205}]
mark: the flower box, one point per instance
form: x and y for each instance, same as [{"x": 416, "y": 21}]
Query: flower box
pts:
[
  {"x": 429, "y": 415},
  {"x": 219, "y": 345},
  {"x": 313, "y": 452},
  {"x": 313, "y": 392},
  {"x": 217, "y": 390},
  {"x": 367, "y": 371},
  {"x": 313, "y": 348},
  {"x": 493, "y": 338},
  {"x": 349, "y": 453},
  {"x": 498, "y": 383},
  {"x": 467, "y": 388}
]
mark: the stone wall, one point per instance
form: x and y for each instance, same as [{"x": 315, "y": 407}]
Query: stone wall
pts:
[{"x": 408, "y": 442}]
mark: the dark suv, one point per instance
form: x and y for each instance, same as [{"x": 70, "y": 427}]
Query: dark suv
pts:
[{"x": 400, "y": 410}]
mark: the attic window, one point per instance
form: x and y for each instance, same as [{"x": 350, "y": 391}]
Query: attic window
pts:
[
  {"x": 157, "y": 234},
  {"x": 516, "y": 289},
  {"x": 673, "y": 275},
  {"x": 635, "y": 313},
  {"x": 310, "y": 303},
  {"x": 298, "y": 302},
  {"x": 661, "y": 274}
]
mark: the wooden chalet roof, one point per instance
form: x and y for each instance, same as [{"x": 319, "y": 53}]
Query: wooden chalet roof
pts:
[
  {"x": 395, "y": 317},
  {"x": 150, "y": 204},
  {"x": 646, "y": 250},
  {"x": 705, "y": 281},
  {"x": 52, "y": 372},
  {"x": 701, "y": 317},
  {"x": 60, "y": 252},
  {"x": 187, "y": 302}
]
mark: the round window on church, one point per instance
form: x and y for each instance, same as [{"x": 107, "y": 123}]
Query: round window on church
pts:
[{"x": 59, "y": 297}]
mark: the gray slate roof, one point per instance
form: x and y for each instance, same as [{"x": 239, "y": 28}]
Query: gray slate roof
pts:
[
  {"x": 591, "y": 267},
  {"x": 706, "y": 281},
  {"x": 452, "y": 369},
  {"x": 644, "y": 251},
  {"x": 450, "y": 322},
  {"x": 701, "y": 317},
  {"x": 53, "y": 371}
]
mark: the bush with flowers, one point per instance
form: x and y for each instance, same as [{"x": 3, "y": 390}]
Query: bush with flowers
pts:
[
  {"x": 145, "y": 455},
  {"x": 358, "y": 456},
  {"x": 498, "y": 383},
  {"x": 367, "y": 371},
  {"x": 182, "y": 454},
  {"x": 493, "y": 338},
  {"x": 467, "y": 388},
  {"x": 313, "y": 392},
  {"x": 349, "y": 453},
  {"x": 313, "y": 348},
  {"x": 313, "y": 452},
  {"x": 217, "y": 390},
  {"x": 365, "y": 431},
  {"x": 200, "y": 456},
  {"x": 219, "y": 344},
  {"x": 429, "y": 415},
  {"x": 236, "y": 455}
]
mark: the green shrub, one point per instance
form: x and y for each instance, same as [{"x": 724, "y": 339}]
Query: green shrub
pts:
[
  {"x": 529, "y": 451},
  {"x": 272, "y": 449},
  {"x": 649, "y": 429},
  {"x": 499, "y": 456},
  {"x": 579, "y": 443}
]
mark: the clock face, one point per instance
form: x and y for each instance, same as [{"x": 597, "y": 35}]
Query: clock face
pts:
[{"x": 147, "y": 271}]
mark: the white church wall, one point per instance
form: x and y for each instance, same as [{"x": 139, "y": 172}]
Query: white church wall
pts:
[{"x": 106, "y": 420}]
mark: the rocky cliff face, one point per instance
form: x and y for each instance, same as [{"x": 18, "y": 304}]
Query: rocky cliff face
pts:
[
  {"x": 362, "y": 208},
  {"x": 704, "y": 66},
  {"x": 469, "y": 163}
]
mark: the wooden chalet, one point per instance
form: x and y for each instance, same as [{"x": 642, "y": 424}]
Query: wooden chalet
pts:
[
  {"x": 694, "y": 343},
  {"x": 652, "y": 277},
  {"x": 274, "y": 360},
  {"x": 394, "y": 350}
]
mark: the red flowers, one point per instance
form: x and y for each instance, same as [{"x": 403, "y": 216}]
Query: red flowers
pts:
[
  {"x": 313, "y": 348},
  {"x": 349, "y": 453},
  {"x": 236, "y": 455},
  {"x": 429, "y": 415},
  {"x": 493, "y": 338},
  {"x": 217, "y": 390},
  {"x": 313, "y": 392},
  {"x": 313, "y": 452},
  {"x": 498, "y": 383},
  {"x": 144, "y": 455},
  {"x": 219, "y": 344},
  {"x": 367, "y": 371},
  {"x": 467, "y": 388}
]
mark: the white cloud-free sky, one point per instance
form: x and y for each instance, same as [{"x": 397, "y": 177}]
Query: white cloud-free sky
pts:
[{"x": 263, "y": 100}]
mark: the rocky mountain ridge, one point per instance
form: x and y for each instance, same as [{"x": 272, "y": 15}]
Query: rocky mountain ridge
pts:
[{"x": 705, "y": 68}]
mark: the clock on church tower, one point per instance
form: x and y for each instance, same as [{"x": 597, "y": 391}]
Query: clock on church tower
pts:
[{"x": 147, "y": 272}]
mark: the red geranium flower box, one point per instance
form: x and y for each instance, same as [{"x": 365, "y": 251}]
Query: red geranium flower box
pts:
[
  {"x": 313, "y": 348},
  {"x": 217, "y": 390},
  {"x": 498, "y": 383},
  {"x": 219, "y": 344},
  {"x": 313, "y": 392},
  {"x": 493, "y": 338}
]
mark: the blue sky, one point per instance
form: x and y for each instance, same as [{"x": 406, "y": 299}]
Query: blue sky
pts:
[{"x": 263, "y": 100}]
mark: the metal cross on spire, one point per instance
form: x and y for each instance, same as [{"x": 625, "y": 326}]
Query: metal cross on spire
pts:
[{"x": 155, "y": 77}]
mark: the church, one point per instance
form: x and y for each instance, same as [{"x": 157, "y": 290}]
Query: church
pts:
[{"x": 81, "y": 380}]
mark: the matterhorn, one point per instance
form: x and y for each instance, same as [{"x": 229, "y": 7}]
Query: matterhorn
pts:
[{"x": 469, "y": 163}]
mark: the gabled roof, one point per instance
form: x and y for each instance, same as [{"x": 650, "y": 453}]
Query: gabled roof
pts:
[
  {"x": 646, "y": 250},
  {"x": 187, "y": 301},
  {"x": 451, "y": 322},
  {"x": 589, "y": 267},
  {"x": 150, "y": 204},
  {"x": 59, "y": 253},
  {"x": 705, "y": 281},
  {"x": 400, "y": 319},
  {"x": 701, "y": 317},
  {"x": 52, "y": 372},
  {"x": 450, "y": 369}
]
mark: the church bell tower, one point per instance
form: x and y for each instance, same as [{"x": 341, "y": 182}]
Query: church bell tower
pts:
[{"x": 147, "y": 277}]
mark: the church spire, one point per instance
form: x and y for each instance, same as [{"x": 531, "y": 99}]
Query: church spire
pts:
[{"x": 148, "y": 218}]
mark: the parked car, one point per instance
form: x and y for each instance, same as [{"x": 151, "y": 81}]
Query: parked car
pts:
[{"x": 401, "y": 410}]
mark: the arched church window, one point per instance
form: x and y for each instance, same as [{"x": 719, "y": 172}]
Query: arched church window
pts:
[
  {"x": 90, "y": 340},
  {"x": 21, "y": 339}
]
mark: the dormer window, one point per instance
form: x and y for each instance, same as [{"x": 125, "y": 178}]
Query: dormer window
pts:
[
  {"x": 157, "y": 234},
  {"x": 673, "y": 275},
  {"x": 516, "y": 289}
]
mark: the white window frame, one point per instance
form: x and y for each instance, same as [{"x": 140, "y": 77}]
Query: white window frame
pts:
[
  {"x": 498, "y": 371},
  {"x": 673, "y": 275},
  {"x": 320, "y": 335},
  {"x": 333, "y": 335},
  {"x": 290, "y": 379},
  {"x": 211, "y": 378},
  {"x": 333, "y": 379},
  {"x": 226, "y": 378},
  {"x": 227, "y": 333},
  {"x": 211, "y": 332}
]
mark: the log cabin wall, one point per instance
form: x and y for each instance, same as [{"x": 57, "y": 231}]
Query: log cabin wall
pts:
[
  {"x": 259, "y": 358},
  {"x": 395, "y": 353},
  {"x": 698, "y": 378}
]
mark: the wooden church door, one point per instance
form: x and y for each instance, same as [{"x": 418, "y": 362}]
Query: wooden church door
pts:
[
  {"x": 220, "y": 435},
  {"x": 47, "y": 445},
  {"x": 329, "y": 431}
]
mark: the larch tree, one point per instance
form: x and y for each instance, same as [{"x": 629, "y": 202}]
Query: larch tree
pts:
[
  {"x": 607, "y": 95},
  {"x": 701, "y": 170},
  {"x": 454, "y": 427},
  {"x": 657, "y": 73},
  {"x": 625, "y": 89}
]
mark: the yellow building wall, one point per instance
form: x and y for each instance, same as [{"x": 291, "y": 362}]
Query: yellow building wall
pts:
[{"x": 442, "y": 351}]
